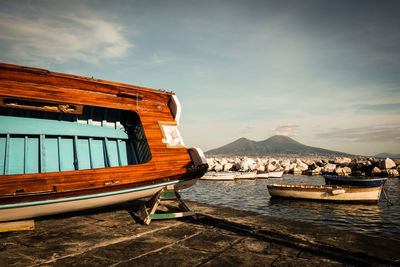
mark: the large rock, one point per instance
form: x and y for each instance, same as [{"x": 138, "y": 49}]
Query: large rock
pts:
[
  {"x": 218, "y": 167},
  {"x": 316, "y": 171},
  {"x": 271, "y": 167},
  {"x": 228, "y": 167},
  {"x": 386, "y": 164},
  {"x": 308, "y": 161},
  {"x": 285, "y": 162},
  {"x": 297, "y": 171},
  {"x": 260, "y": 167},
  {"x": 313, "y": 166},
  {"x": 244, "y": 166},
  {"x": 286, "y": 168},
  {"x": 292, "y": 166},
  {"x": 224, "y": 162},
  {"x": 376, "y": 171},
  {"x": 211, "y": 164},
  {"x": 329, "y": 168},
  {"x": 301, "y": 165},
  {"x": 343, "y": 171},
  {"x": 342, "y": 161},
  {"x": 392, "y": 173}
]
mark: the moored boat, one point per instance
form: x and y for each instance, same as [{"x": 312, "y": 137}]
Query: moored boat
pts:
[
  {"x": 219, "y": 176},
  {"x": 354, "y": 180},
  {"x": 333, "y": 193},
  {"x": 276, "y": 174},
  {"x": 262, "y": 174},
  {"x": 270, "y": 174},
  {"x": 246, "y": 175},
  {"x": 69, "y": 143}
]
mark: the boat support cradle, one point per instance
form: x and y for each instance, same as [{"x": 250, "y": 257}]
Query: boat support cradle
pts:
[{"x": 148, "y": 211}]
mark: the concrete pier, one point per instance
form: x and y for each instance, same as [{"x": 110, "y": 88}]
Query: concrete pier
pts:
[{"x": 219, "y": 236}]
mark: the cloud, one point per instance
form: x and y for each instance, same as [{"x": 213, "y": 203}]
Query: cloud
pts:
[
  {"x": 287, "y": 130},
  {"x": 386, "y": 133},
  {"x": 379, "y": 107},
  {"x": 54, "y": 36},
  {"x": 247, "y": 129}
]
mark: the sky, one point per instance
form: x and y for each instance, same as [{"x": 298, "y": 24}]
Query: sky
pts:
[{"x": 326, "y": 73}]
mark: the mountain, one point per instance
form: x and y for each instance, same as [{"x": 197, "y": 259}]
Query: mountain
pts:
[
  {"x": 275, "y": 145},
  {"x": 384, "y": 155}
]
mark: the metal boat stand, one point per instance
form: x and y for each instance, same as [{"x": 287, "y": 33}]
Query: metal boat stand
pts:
[{"x": 148, "y": 211}]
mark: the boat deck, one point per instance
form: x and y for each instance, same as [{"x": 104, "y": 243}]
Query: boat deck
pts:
[{"x": 219, "y": 237}]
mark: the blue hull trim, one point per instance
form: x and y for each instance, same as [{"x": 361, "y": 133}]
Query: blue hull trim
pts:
[
  {"x": 354, "y": 181},
  {"x": 42, "y": 202}
]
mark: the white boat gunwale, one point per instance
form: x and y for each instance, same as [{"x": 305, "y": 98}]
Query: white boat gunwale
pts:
[
  {"x": 333, "y": 193},
  {"x": 77, "y": 203}
]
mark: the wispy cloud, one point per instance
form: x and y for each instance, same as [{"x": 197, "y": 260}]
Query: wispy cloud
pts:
[
  {"x": 287, "y": 130},
  {"x": 55, "y": 36},
  {"x": 247, "y": 129},
  {"x": 379, "y": 107},
  {"x": 383, "y": 133}
]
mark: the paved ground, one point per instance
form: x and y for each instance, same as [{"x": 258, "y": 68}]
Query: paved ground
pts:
[{"x": 218, "y": 237}]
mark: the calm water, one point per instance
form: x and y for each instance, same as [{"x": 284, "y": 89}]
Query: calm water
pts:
[{"x": 252, "y": 195}]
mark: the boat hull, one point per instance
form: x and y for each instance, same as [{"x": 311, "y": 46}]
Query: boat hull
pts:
[
  {"x": 218, "y": 177},
  {"x": 269, "y": 174},
  {"x": 262, "y": 174},
  {"x": 275, "y": 174},
  {"x": 345, "y": 194},
  {"x": 246, "y": 175},
  {"x": 39, "y": 208},
  {"x": 354, "y": 181}
]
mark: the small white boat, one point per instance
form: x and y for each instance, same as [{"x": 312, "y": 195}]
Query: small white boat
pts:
[
  {"x": 275, "y": 174},
  {"x": 326, "y": 192},
  {"x": 214, "y": 176},
  {"x": 246, "y": 175},
  {"x": 270, "y": 174},
  {"x": 262, "y": 174}
]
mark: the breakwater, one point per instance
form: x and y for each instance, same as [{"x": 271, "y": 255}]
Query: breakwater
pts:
[{"x": 308, "y": 166}]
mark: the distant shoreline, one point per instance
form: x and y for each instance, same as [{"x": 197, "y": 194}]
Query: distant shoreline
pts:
[{"x": 308, "y": 165}]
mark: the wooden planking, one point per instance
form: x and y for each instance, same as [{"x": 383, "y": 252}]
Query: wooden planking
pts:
[
  {"x": 45, "y": 77},
  {"x": 72, "y": 96},
  {"x": 29, "y": 83},
  {"x": 127, "y": 174}
]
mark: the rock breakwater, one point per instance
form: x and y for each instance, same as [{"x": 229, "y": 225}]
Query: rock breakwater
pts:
[{"x": 307, "y": 166}]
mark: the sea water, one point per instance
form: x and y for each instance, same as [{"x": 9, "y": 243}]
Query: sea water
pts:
[{"x": 377, "y": 220}]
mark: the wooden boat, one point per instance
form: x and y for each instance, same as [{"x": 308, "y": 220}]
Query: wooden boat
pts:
[
  {"x": 354, "y": 180},
  {"x": 219, "y": 176},
  {"x": 262, "y": 174},
  {"x": 276, "y": 174},
  {"x": 326, "y": 192},
  {"x": 246, "y": 175},
  {"x": 269, "y": 174},
  {"x": 69, "y": 143}
]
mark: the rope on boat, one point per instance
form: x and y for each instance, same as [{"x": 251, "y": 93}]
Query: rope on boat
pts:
[{"x": 389, "y": 203}]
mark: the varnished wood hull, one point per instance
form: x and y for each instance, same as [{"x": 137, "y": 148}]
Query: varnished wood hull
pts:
[{"x": 51, "y": 186}]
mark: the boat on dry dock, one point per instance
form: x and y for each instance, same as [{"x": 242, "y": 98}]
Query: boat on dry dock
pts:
[
  {"x": 333, "y": 193},
  {"x": 69, "y": 143}
]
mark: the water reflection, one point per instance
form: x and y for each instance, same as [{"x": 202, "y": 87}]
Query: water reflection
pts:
[{"x": 252, "y": 195}]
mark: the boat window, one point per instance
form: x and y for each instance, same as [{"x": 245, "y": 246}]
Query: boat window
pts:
[{"x": 36, "y": 141}]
